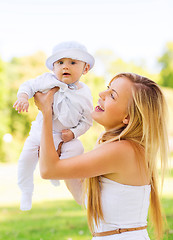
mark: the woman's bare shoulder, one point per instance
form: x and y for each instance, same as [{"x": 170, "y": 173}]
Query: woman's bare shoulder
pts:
[
  {"x": 122, "y": 147},
  {"x": 124, "y": 153},
  {"x": 127, "y": 163}
]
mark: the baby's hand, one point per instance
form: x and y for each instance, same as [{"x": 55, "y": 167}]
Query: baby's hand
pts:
[
  {"x": 67, "y": 135},
  {"x": 21, "y": 104}
]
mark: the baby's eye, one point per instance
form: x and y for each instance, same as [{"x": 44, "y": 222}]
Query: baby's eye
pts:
[
  {"x": 60, "y": 62},
  {"x": 73, "y": 62}
]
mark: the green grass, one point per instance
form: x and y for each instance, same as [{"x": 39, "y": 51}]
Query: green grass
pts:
[
  {"x": 56, "y": 220},
  {"x": 168, "y": 208}
]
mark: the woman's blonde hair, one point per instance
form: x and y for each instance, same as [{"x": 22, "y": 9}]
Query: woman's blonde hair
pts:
[{"x": 147, "y": 127}]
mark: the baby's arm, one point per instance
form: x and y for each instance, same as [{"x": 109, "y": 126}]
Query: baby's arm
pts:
[
  {"x": 30, "y": 87},
  {"x": 67, "y": 135},
  {"x": 86, "y": 119},
  {"x": 22, "y": 103},
  {"x": 81, "y": 128},
  {"x": 25, "y": 92}
]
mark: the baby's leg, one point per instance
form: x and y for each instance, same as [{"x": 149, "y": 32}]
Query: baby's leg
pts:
[
  {"x": 71, "y": 149},
  {"x": 68, "y": 149},
  {"x": 26, "y": 166}
]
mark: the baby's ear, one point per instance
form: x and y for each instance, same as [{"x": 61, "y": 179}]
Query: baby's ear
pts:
[{"x": 86, "y": 68}]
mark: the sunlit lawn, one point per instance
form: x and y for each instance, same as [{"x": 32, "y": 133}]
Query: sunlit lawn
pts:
[
  {"x": 62, "y": 219},
  {"x": 56, "y": 220}
]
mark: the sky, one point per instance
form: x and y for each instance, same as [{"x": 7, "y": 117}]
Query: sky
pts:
[{"x": 132, "y": 29}]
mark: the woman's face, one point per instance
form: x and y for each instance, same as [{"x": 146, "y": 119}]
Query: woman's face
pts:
[{"x": 112, "y": 109}]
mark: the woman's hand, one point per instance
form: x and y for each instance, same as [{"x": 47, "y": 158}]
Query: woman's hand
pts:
[{"x": 44, "y": 101}]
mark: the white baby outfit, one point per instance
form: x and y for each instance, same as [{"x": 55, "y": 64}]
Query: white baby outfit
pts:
[
  {"x": 123, "y": 206},
  {"x": 71, "y": 110}
]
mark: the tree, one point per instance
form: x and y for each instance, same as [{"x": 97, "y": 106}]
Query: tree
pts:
[
  {"x": 3, "y": 107},
  {"x": 166, "y": 63},
  {"x": 12, "y": 74}
]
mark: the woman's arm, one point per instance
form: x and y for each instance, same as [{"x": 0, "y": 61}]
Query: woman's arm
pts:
[{"x": 109, "y": 158}]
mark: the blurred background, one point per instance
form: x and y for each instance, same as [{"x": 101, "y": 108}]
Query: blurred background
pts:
[{"x": 122, "y": 35}]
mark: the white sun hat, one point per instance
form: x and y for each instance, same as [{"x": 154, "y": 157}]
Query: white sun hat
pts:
[{"x": 71, "y": 49}]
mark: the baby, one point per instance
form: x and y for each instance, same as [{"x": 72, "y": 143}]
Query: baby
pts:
[{"x": 71, "y": 110}]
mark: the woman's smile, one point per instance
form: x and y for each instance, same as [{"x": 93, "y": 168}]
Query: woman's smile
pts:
[{"x": 99, "y": 109}]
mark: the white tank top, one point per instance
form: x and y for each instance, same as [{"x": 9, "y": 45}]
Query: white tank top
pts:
[{"x": 124, "y": 206}]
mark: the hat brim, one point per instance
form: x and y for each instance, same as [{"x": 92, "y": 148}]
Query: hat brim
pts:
[{"x": 70, "y": 53}]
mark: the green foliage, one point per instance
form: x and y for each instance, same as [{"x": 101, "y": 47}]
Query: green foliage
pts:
[
  {"x": 3, "y": 108},
  {"x": 12, "y": 74},
  {"x": 18, "y": 70},
  {"x": 166, "y": 62},
  {"x": 168, "y": 92},
  {"x": 118, "y": 66}
]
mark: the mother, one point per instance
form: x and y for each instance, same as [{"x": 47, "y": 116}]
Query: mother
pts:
[{"x": 121, "y": 172}]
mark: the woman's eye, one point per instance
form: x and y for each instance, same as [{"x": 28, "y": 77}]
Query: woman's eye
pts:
[
  {"x": 60, "y": 62},
  {"x": 112, "y": 96},
  {"x": 73, "y": 63}
]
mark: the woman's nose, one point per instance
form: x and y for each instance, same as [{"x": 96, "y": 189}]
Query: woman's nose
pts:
[{"x": 102, "y": 95}]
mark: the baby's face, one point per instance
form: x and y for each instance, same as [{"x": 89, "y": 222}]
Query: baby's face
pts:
[{"x": 68, "y": 70}]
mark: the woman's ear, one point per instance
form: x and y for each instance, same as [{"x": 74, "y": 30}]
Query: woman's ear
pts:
[
  {"x": 86, "y": 68},
  {"x": 126, "y": 120}
]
